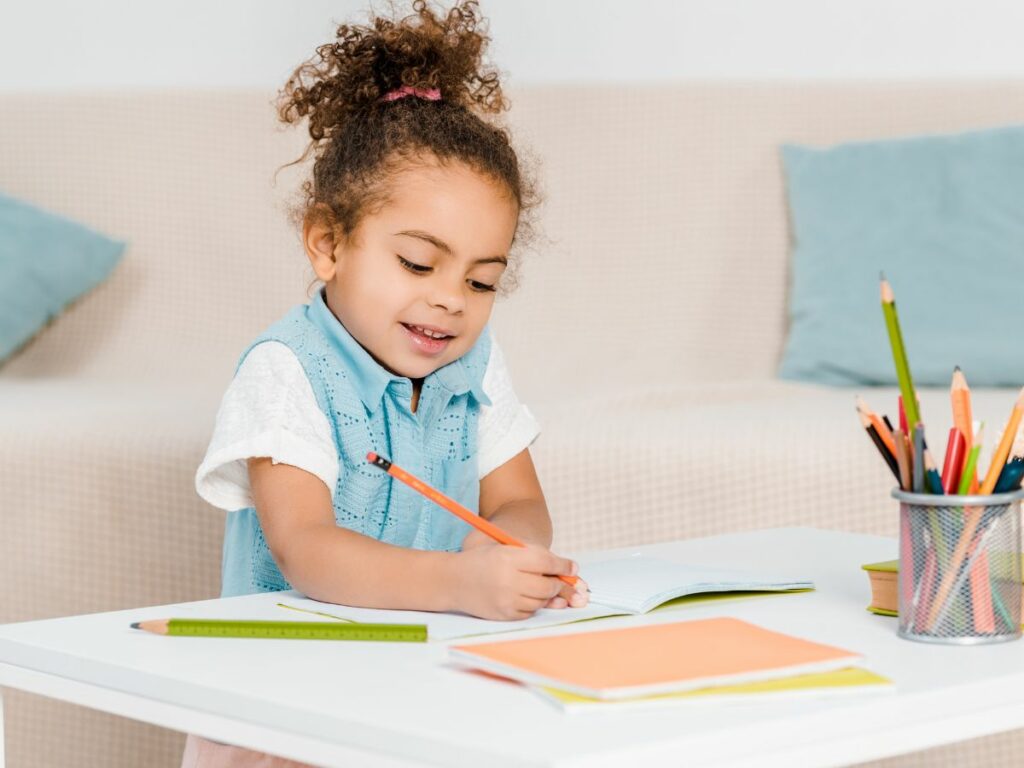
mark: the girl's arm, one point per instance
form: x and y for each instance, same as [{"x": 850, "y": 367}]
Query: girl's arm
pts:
[
  {"x": 331, "y": 563},
  {"x": 512, "y": 499},
  {"x": 336, "y": 565}
]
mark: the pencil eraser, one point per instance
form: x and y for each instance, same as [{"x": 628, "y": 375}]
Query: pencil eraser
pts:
[{"x": 371, "y": 457}]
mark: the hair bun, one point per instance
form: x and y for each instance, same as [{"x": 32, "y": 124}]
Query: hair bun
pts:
[{"x": 366, "y": 62}]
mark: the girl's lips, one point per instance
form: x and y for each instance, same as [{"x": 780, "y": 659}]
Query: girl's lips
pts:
[{"x": 425, "y": 344}]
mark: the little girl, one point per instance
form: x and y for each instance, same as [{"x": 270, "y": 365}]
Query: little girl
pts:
[{"x": 413, "y": 207}]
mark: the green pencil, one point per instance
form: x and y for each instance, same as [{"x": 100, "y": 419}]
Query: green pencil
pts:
[
  {"x": 899, "y": 354},
  {"x": 970, "y": 468},
  {"x": 286, "y": 630}
]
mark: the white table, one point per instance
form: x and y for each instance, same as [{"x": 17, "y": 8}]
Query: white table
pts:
[{"x": 377, "y": 704}]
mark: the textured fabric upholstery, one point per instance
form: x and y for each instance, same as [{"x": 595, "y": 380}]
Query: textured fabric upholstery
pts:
[{"x": 645, "y": 337}]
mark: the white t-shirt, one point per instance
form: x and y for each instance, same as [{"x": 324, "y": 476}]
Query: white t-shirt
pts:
[{"x": 269, "y": 409}]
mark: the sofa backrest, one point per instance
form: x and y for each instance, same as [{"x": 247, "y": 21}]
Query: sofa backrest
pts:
[{"x": 665, "y": 257}]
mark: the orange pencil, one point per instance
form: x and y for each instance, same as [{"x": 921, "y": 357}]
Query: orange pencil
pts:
[
  {"x": 960, "y": 397},
  {"x": 903, "y": 459},
  {"x": 880, "y": 428},
  {"x": 481, "y": 524}
]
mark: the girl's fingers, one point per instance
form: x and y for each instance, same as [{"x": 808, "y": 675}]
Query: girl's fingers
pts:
[
  {"x": 566, "y": 591},
  {"x": 527, "y": 606},
  {"x": 578, "y": 600},
  {"x": 540, "y": 560},
  {"x": 540, "y": 587},
  {"x": 557, "y": 602}
]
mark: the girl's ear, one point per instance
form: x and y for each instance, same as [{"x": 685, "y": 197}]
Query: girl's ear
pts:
[{"x": 320, "y": 241}]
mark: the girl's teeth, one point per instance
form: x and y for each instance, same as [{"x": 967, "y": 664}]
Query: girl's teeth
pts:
[{"x": 431, "y": 334}]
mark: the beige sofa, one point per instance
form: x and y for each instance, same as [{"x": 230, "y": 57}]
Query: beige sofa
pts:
[{"x": 645, "y": 337}]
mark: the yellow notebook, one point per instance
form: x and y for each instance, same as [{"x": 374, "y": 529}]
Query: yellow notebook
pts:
[
  {"x": 843, "y": 682},
  {"x": 625, "y": 663}
]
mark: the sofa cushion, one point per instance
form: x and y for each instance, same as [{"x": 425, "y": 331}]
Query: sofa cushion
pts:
[
  {"x": 46, "y": 262},
  {"x": 943, "y": 217}
]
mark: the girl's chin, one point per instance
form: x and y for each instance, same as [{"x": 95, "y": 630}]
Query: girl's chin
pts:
[{"x": 416, "y": 369}]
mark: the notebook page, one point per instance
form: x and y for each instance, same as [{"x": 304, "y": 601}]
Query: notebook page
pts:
[{"x": 638, "y": 583}]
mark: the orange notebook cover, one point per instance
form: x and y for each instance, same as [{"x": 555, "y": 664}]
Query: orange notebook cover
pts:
[{"x": 656, "y": 658}]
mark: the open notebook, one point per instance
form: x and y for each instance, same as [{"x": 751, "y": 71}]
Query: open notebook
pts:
[
  {"x": 626, "y": 585},
  {"x": 638, "y": 583}
]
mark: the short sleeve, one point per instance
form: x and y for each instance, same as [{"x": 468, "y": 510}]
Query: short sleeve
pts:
[
  {"x": 507, "y": 427},
  {"x": 269, "y": 409}
]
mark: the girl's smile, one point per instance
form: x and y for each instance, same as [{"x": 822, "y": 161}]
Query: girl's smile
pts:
[{"x": 427, "y": 339}]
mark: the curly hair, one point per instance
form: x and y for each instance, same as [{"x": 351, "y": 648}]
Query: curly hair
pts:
[{"x": 359, "y": 141}]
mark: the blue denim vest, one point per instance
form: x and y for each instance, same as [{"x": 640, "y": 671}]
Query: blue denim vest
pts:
[{"x": 368, "y": 408}]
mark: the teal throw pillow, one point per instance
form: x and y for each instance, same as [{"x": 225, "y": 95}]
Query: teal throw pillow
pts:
[
  {"x": 943, "y": 217},
  {"x": 46, "y": 262}
]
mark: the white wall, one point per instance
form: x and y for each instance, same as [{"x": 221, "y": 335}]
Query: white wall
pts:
[{"x": 115, "y": 43}]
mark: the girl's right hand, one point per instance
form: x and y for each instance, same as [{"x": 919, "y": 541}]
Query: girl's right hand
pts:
[{"x": 508, "y": 583}]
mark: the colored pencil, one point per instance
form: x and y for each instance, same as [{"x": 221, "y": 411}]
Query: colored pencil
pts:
[
  {"x": 953, "y": 462},
  {"x": 918, "y": 468},
  {"x": 1010, "y": 477},
  {"x": 468, "y": 516},
  {"x": 899, "y": 353},
  {"x": 960, "y": 398},
  {"x": 924, "y": 589},
  {"x": 902, "y": 459},
  {"x": 972, "y": 520},
  {"x": 931, "y": 474},
  {"x": 890, "y": 458},
  {"x": 980, "y": 583},
  {"x": 884, "y": 433},
  {"x": 285, "y": 630},
  {"x": 970, "y": 466},
  {"x": 934, "y": 484}
]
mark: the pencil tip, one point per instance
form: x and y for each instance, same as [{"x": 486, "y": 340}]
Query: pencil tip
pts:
[
  {"x": 135, "y": 625},
  {"x": 956, "y": 369},
  {"x": 881, "y": 275}
]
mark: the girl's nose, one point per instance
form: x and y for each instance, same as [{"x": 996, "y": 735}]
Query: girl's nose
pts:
[{"x": 444, "y": 295}]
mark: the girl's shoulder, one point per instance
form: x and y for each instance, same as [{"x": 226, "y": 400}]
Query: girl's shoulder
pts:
[{"x": 293, "y": 332}]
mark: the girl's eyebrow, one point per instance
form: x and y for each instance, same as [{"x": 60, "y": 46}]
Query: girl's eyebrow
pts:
[{"x": 443, "y": 246}]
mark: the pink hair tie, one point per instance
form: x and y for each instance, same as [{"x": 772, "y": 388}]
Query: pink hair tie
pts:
[{"x": 429, "y": 94}]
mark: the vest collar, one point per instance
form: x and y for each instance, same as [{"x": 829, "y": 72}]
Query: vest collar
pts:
[{"x": 371, "y": 379}]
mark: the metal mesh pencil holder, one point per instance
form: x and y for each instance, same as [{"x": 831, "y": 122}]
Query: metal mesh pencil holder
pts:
[{"x": 960, "y": 568}]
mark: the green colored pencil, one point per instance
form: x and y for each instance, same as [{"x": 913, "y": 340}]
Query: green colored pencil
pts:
[
  {"x": 970, "y": 468},
  {"x": 899, "y": 354},
  {"x": 286, "y": 630}
]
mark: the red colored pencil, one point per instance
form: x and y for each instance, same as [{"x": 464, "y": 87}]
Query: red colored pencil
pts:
[
  {"x": 953, "y": 464},
  {"x": 481, "y": 524}
]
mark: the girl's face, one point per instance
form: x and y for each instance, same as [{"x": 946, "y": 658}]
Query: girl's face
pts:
[{"x": 414, "y": 283}]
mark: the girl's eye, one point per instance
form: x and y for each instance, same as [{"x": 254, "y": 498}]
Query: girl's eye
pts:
[
  {"x": 418, "y": 269},
  {"x": 481, "y": 287}
]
